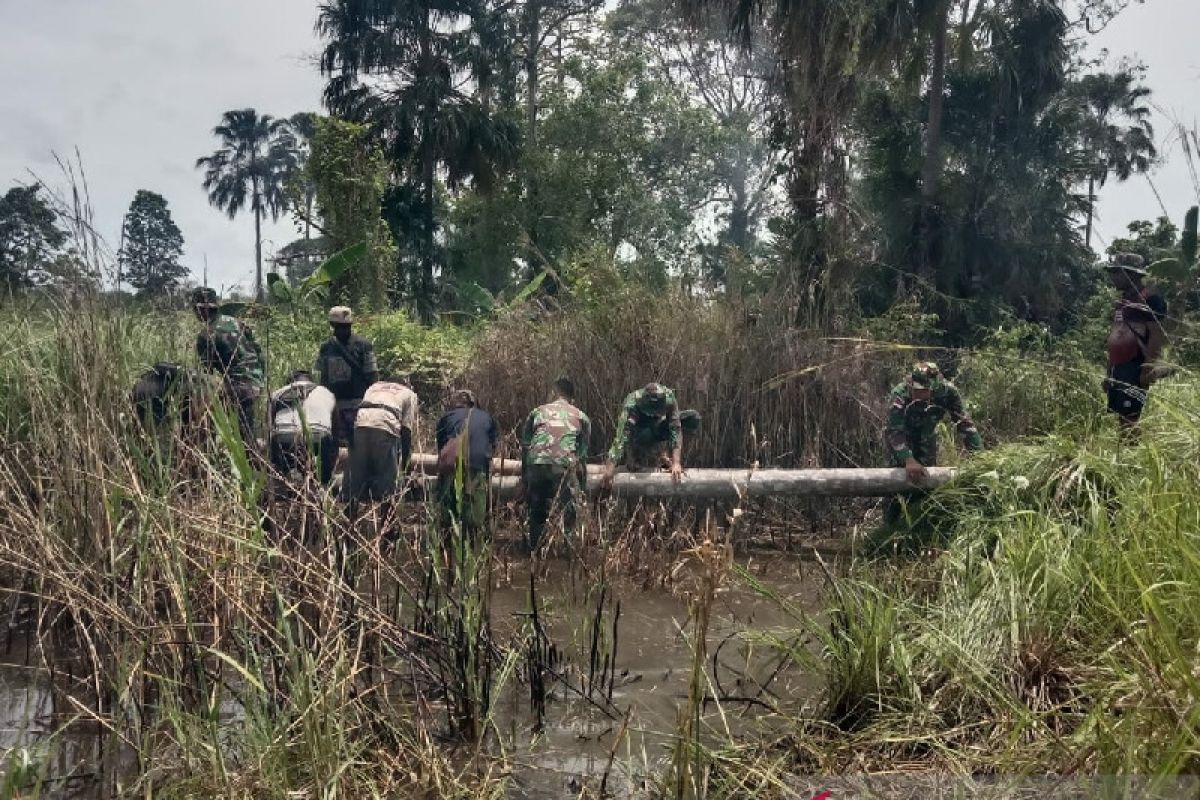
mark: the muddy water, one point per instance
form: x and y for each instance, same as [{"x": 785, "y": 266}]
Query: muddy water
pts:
[
  {"x": 652, "y": 676},
  {"x": 579, "y": 741}
]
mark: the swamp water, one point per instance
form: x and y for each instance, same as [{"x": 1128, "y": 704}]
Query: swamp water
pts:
[{"x": 619, "y": 737}]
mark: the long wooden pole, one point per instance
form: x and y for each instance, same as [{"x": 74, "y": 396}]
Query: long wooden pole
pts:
[{"x": 731, "y": 484}]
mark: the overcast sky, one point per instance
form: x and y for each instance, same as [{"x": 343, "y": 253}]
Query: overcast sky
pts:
[{"x": 137, "y": 86}]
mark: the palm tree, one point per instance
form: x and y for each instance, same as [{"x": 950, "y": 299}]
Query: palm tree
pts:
[
  {"x": 1111, "y": 148},
  {"x": 257, "y": 156}
]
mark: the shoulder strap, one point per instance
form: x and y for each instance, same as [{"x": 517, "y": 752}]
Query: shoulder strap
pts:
[{"x": 355, "y": 364}]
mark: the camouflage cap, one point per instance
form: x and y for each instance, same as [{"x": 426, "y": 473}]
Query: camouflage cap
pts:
[
  {"x": 925, "y": 374},
  {"x": 341, "y": 315},
  {"x": 1129, "y": 262},
  {"x": 654, "y": 396},
  {"x": 203, "y": 296}
]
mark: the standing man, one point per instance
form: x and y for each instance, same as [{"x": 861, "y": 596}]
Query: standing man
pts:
[
  {"x": 1135, "y": 340},
  {"x": 301, "y": 422},
  {"x": 554, "y": 443},
  {"x": 382, "y": 442},
  {"x": 466, "y": 438},
  {"x": 650, "y": 433},
  {"x": 226, "y": 347},
  {"x": 346, "y": 366},
  {"x": 915, "y": 408}
]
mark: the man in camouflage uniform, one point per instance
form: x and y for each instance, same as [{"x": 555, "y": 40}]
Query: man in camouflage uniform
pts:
[
  {"x": 554, "y": 443},
  {"x": 915, "y": 408},
  {"x": 226, "y": 347},
  {"x": 1135, "y": 340},
  {"x": 650, "y": 433},
  {"x": 346, "y": 366}
]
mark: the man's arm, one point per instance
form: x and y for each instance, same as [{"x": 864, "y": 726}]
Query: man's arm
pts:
[
  {"x": 625, "y": 422},
  {"x": 675, "y": 429},
  {"x": 442, "y": 435},
  {"x": 962, "y": 420},
  {"x": 526, "y": 435},
  {"x": 405, "y": 448}
]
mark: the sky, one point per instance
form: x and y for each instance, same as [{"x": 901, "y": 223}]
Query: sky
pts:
[{"x": 137, "y": 85}]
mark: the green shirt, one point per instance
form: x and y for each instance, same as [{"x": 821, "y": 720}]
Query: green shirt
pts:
[
  {"x": 641, "y": 425},
  {"x": 556, "y": 433},
  {"x": 910, "y": 421},
  {"x": 227, "y": 347}
]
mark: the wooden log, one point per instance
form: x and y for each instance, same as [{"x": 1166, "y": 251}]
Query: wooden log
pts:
[{"x": 730, "y": 484}]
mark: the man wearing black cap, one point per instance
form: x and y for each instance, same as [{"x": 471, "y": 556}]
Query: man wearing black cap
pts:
[{"x": 1135, "y": 340}]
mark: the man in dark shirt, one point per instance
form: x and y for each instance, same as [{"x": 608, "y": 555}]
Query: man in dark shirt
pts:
[
  {"x": 466, "y": 438},
  {"x": 346, "y": 366},
  {"x": 1135, "y": 340}
]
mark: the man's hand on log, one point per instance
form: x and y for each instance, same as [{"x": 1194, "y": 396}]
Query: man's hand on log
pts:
[
  {"x": 606, "y": 479},
  {"x": 676, "y": 472},
  {"x": 915, "y": 470}
]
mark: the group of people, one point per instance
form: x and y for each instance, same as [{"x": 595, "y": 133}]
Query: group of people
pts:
[{"x": 345, "y": 402}]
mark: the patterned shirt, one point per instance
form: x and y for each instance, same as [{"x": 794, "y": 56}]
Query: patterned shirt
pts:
[
  {"x": 639, "y": 422},
  {"x": 226, "y": 346},
  {"x": 910, "y": 421},
  {"x": 556, "y": 433}
]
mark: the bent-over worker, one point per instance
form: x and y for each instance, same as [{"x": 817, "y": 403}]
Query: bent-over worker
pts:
[
  {"x": 466, "y": 437},
  {"x": 915, "y": 408},
  {"x": 649, "y": 433},
  {"x": 301, "y": 423},
  {"x": 1135, "y": 340},
  {"x": 382, "y": 443}
]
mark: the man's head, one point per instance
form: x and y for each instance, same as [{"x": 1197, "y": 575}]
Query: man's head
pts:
[
  {"x": 653, "y": 400},
  {"x": 205, "y": 302},
  {"x": 564, "y": 388},
  {"x": 1126, "y": 271},
  {"x": 924, "y": 379},
  {"x": 340, "y": 319},
  {"x": 298, "y": 375},
  {"x": 462, "y": 398}
]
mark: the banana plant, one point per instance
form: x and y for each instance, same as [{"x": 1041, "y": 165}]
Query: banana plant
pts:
[{"x": 315, "y": 286}]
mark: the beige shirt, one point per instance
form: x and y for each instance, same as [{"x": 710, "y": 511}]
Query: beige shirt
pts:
[{"x": 388, "y": 407}]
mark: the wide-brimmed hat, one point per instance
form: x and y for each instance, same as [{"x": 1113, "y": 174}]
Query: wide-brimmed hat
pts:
[{"x": 341, "y": 315}]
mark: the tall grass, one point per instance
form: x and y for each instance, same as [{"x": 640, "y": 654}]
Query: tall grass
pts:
[
  {"x": 174, "y": 606},
  {"x": 1052, "y": 626}
]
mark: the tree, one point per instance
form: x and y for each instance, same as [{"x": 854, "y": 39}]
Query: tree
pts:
[
  {"x": 257, "y": 156},
  {"x": 1112, "y": 148},
  {"x": 406, "y": 69},
  {"x": 31, "y": 240},
  {"x": 151, "y": 245},
  {"x": 349, "y": 175}
]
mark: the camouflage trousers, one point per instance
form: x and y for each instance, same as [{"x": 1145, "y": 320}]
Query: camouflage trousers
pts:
[{"x": 551, "y": 487}]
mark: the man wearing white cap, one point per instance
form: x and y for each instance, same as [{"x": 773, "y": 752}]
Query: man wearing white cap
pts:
[{"x": 346, "y": 366}]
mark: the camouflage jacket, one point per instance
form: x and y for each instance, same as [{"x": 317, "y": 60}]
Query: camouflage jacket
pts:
[
  {"x": 226, "y": 346},
  {"x": 346, "y": 369},
  {"x": 910, "y": 421},
  {"x": 636, "y": 424},
  {"x": 556, "y": 433}
]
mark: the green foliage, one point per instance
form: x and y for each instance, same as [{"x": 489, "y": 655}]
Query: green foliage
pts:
[
  {"x": 433, "y": 356},
  {"x": 623, "y": 160},
  {"x": 151, "y": 246},
  {"x": 30, "y": 237},
  {"x": 349, "y": 176}
]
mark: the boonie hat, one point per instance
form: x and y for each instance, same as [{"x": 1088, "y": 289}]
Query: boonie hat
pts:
[{"x": 341, "y": 315}]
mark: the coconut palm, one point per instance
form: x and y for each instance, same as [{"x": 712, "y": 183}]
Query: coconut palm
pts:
[{"x": 257, "y": 156}]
